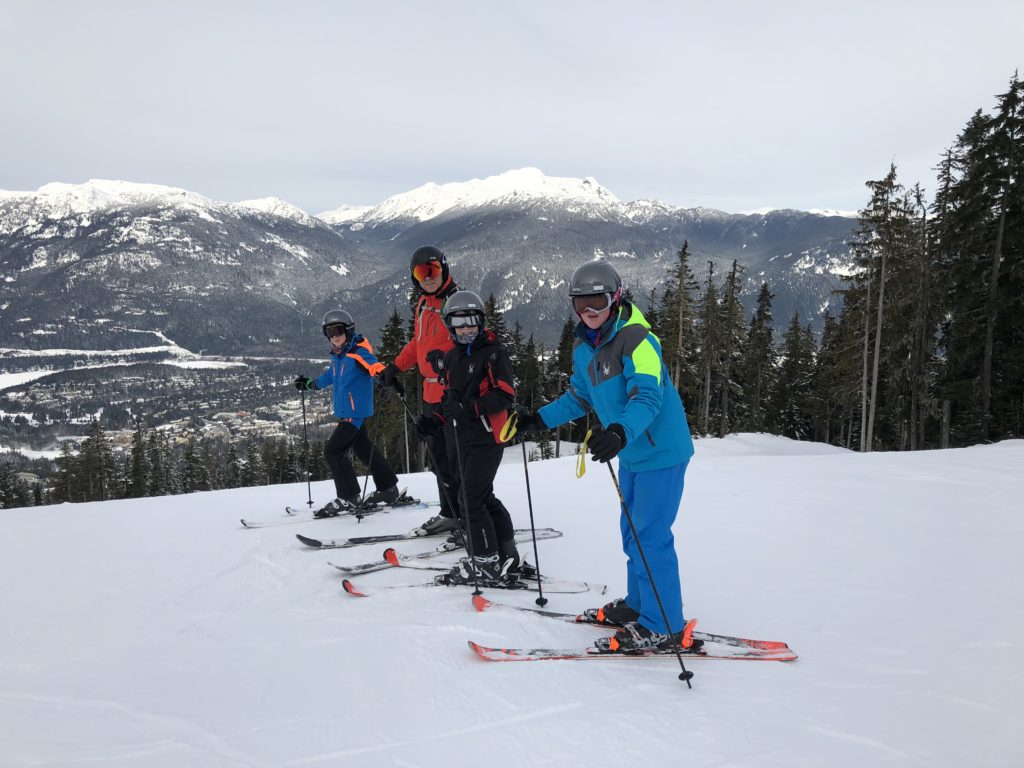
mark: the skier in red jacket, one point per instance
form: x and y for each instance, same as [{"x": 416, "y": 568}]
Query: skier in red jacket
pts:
[{"x": 430, "y": 339}]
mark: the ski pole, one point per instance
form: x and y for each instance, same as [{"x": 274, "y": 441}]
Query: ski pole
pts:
[
  {"x": 541, "y": 601},
  {"x": 305, "y": 439},
  {"x": 369, "y": 471},
  {"x": 430, "y": 453},
  {"x": 465, "y": 508},
  {"x": 685, "y": 675}
]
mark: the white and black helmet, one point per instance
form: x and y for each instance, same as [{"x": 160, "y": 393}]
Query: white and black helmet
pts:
[{"x": 338, "y": 317}]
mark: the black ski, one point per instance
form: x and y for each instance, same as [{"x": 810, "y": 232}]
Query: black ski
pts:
[
  {"x": 522, "y": 536},
  {"x": 553, "y": 586},
  {"x": 296, "y": 516},
  {"x": 356, "y": 541}
]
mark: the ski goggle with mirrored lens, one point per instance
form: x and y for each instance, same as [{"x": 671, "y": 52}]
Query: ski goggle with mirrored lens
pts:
[
  {"x": 595, "y": 303},
  {"x": 337, "y": 329},
  {"x": 463, "y": 321},
  {"x": 427, "y": 271}
]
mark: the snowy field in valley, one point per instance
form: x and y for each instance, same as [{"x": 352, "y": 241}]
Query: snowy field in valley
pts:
[{"x": 160, "y": 633}]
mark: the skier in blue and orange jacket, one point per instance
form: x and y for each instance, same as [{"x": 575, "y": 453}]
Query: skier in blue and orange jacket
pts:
[{"x": 351, "y": 375}]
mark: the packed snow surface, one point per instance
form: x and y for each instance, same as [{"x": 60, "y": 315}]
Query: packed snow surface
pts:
[{"x": 158, "y": 632}]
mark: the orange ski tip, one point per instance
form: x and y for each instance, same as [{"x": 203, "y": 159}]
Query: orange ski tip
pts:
[
  {"x": 686, "y": 640},
  {"x": 481, "y": 603},
  {"x": 391, "y": 556},
  {"x": 349, "y": 587}
]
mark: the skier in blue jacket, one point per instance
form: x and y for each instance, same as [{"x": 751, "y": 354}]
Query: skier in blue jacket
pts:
[
  {"x": 351, "y": 375},
  {"x": 619, "y": 375}
]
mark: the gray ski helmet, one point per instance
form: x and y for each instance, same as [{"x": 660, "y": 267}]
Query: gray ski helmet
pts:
[
  {"x": 463, "y": 302},
  {"x": 339, "y": 317},
  {"x": 595, "y": 277},
  {"x": 425, "y": 254}
]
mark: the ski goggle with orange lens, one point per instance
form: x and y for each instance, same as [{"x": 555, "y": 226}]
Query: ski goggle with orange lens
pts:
[
  {"x": 336, "y": 329},
  {"x": 427, "y": 271},
  {"x": 595, "y": 303}
]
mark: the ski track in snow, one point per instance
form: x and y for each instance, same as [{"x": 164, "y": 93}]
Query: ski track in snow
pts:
[{"x": 159, "y": 633}]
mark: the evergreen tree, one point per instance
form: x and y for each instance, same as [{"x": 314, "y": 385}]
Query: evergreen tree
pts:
[
  {"x": 756, "y": 372},
  {"x": 792, "y": 401},
  {"x": 710, "y": 335},
  {"x": 139, "y": 480},
  {"x": 14, "y": 492},
  {"x": 96, "y": 465},
  {"x": 495, "y": 320},
  {"x": 733, "y": 333},
  {"x": 674, "y": 326},
  {"x": 254, "y": 471},
  {"x": 194, "y": 474},
  {"x": 65, "y": 484},
  {"x": 233, "y": 469}
]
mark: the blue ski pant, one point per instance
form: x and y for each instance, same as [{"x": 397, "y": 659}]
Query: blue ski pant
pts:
[{"x": 653, "y": 499}]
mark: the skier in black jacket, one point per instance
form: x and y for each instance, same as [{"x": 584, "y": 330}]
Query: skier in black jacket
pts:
[{"x": 479, "y": 392}]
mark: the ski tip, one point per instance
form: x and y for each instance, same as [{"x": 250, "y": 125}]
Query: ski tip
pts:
[
  {"x": 308, "y": 541},
  {"x": 392, "y": 556},
  {"x": 349, "y": 587},
  {"x": 481, "y": 603},
  {"x": 478, "y": 649},
  {"x": 244, "y": 524}
]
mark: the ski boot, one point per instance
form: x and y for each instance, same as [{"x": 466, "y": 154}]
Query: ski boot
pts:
[
  {"x": 634, "y": 637},
  {"x": 513, "y": 567},
  {"x": 613, "y": 614},
  {"x": 435, "y": 525},
  {"x": 385, "y": 497},
  {"x": 338, "y": 507},
  {"x": 486, "y": 570}
]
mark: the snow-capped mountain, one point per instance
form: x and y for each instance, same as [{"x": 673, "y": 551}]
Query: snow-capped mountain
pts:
[
  {"x": 511, "y": 188},
  {"x": 257, "y": 274}
]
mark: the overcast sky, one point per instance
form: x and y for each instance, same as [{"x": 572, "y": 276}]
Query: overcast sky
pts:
[{"x": 733, "y": 105}]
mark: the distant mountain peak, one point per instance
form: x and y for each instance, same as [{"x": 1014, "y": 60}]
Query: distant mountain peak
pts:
[
  {"x": 278, "y": 207},
  {"x": 62, "y": 199},
  {"x": 431, "y": 200}
]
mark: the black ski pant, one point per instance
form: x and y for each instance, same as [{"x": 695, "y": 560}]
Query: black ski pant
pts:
[
  {"x": 447, "y": 482},
  {"x": 348, "y": 437},
  {"x": 490, "y": 524}
]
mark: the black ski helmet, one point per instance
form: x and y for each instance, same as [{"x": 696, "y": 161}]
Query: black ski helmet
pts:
[
  {"x": 464, "y": 303},
  {"x": 595, "y": 277},
  {"x": 425, "y": 254},
  {"x": 339, "y": 317}
]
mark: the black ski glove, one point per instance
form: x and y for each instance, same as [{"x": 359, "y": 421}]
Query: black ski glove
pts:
[
  {"x": 453, "y": 408},
  {"x": 389, "y": 378},
  {"x": 528, "y": 422},
  {"x": 304, "y": 382},
  {"x": 427, "y": 426},
  {"x": 605, "y": 444}
]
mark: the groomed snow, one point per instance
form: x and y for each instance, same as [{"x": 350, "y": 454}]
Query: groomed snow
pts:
[{"x": 158, "y": 632}]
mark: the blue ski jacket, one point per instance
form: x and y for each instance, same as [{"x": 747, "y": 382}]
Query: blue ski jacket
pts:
[
  {"x": 351, "y": 373},
  {"x": 622, "y": 378}
]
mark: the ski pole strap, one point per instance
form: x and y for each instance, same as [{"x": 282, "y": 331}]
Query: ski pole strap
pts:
[
  {"x": 508, "y": 431},
  {"x": 581, "y": 458}
]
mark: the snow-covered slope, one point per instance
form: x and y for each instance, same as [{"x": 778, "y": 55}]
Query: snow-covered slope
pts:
[{"x": 158, "y": 632}]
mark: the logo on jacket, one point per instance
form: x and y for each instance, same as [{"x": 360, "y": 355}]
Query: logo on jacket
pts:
[
  {"x": 606, "y": 369},
  {"x": 472, "y": 367}
]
